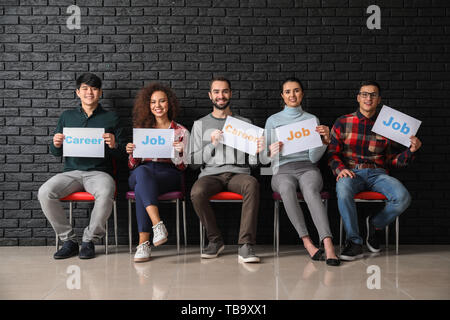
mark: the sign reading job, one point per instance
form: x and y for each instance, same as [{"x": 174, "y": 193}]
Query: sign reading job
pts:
[
  {"x": 241, "y": 135},
  {"x": 84, "y": 142},
  {"x": 299, "y": 136},
  {"x": 396, "y": 125},
  {"x": 153, "y": 143}
]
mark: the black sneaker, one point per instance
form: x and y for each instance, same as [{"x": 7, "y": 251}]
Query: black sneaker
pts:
[
  {"x": 352, "y": 251},
  {"x": 373, "y": 237},
  {"x": 68, "y": 249},
  {"x": 87, "y": 250},
  {"x": 213, "y": 250}
]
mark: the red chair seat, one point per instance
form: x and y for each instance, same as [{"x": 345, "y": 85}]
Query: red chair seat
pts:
[
  {"x": 323, "y": 195},
  {"x": 226, "y": 195},
  {"x": 83, "y": 196},
  {"x": 370, "y": 195},
  {"x": 79, "y": 196}
]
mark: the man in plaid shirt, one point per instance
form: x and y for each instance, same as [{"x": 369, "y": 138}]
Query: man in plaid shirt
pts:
[{"x": 358, "y": 158}]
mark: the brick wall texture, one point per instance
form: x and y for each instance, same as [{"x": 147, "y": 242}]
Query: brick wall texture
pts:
[{"x": 256, "y": 44}]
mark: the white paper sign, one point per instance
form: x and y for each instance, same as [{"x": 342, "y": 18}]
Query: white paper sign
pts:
[
  {"x": 153, "y": 143},
  {"x": 396, "y": 125},
  {"x": 84, "y": 142},
  {"x": 299, "y": 136},
  {"x": 241, "y": 135}
]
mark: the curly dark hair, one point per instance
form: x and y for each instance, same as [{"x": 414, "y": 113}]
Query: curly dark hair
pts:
[{"x": 142, "y": 116}]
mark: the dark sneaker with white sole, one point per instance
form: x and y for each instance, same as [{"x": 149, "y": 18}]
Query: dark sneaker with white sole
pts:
[
  {"x": 247, "y": 253},
  {"x": 352, "y": 251},
  {"x": 212, "y": 250},
  {"x": 68, "y": 249},
  {"x": 373, "y": 237}
]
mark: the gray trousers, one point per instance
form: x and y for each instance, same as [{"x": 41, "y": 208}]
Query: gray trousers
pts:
[
  {"x": 100, "y": 184},
  {"x": 307, "y": 177}
]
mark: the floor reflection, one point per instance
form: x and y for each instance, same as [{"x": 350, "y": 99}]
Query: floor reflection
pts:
[{"x": 418, "y": 272}]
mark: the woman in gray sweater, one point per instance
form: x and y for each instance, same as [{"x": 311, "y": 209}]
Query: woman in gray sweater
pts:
[{"x": 299, "y": 171}]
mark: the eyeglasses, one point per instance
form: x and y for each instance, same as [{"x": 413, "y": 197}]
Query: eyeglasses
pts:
[{"x": 367, "y": 94}]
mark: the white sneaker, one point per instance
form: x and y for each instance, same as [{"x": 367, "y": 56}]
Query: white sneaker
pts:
[
  {"x": 143, "y": 252},
  {"x": 159, "y": 234}
]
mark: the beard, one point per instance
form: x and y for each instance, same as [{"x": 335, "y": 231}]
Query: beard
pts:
[{"x": 219, "y": 106}]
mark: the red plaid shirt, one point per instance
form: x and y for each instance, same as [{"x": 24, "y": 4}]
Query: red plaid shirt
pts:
[
  {"x": 179, "y": 161},
  {"x": 353, "y": 142}
]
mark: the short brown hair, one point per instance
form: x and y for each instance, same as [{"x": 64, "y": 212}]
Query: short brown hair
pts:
[{"x": 219, "y": 78}]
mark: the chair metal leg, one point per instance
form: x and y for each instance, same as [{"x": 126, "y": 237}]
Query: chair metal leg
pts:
[
  {"x": 275, "y": 226},
  {"x": 129, "y": 223},
  {"x": 178, "y": 225},
  {"x": 70, "y": 221},
  {"x": 340, "y": 233},
  {"x": 397, "y": 231},
  {"x": 387, "y": 237},
  {"x": 201, "y": 238},
  {"x": 277, "y": 223},
  {"x": 325, "y": 204},
  {"x": 115, "y": 221},
  {"x": 106, "y": 238},
  {"x": 203, "y": 235},
  {"x": 184, "y": 223},
  {"x": 70, "y": 212}
]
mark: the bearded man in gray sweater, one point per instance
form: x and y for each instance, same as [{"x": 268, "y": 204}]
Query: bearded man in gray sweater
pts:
[{"x": 223, "y": 169}]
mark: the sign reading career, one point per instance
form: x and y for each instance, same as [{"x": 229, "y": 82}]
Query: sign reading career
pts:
[
  {"x": 241, "y": 135},
  {"x": 396, "y": 126},
  {"x": 84, "y": 142},
  {"x": 153, "y": 143}
]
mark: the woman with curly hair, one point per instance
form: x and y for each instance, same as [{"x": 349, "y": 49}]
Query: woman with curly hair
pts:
[{"x": 156, "y": 106}]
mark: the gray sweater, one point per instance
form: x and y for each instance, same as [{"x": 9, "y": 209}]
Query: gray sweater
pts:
[
  {"x": 287, "y": 116},
  {"x": 216, "y": 159}
]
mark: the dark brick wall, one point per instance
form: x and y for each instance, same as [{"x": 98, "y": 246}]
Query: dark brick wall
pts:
[{"x": 256, "y": 43}]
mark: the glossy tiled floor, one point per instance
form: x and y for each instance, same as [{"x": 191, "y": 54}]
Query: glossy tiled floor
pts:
[{"x": 419, "y": 272}]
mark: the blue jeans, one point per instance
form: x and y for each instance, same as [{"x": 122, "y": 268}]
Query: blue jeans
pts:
[
  {"x": 398, "y": 199},
  {"x": 149, "y": 180}
]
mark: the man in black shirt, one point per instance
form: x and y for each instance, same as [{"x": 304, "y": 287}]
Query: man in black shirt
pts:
[{"x": 92, "y": 175}]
